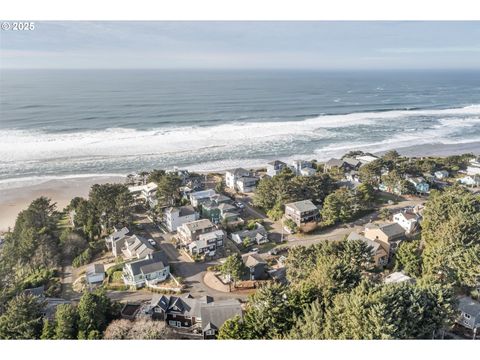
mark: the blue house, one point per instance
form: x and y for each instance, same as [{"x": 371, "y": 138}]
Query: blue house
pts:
[{"x": 421, "y": 186}]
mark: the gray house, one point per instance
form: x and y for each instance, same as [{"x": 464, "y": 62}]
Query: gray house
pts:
[
  {"x": 151, "y": 270},
  {"x": 256, "y": 266},
  {"x": 469, "y": 313}
]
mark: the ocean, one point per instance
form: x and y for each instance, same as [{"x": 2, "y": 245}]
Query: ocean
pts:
[{"x": 63, "y": 123}]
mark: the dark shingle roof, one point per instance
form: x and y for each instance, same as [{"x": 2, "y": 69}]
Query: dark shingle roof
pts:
[
  {"x": 216, "y": 313},
  {"x": 156, "y": 257}
]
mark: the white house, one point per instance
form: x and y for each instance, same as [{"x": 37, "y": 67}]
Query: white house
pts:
[
  {"x": 470, "y": 180},
  {"x": 150, "y": 270},
  {"x": 177, "y": 216},
  {"x": 442, "y": 174},
  {"x": 246, "y": 184},
  {"x": 116, "y": 240},
  {"x": 407, "y": 220},
  {"x": 366, "y": 159},
  {"x": 240, "y": 179},
  {"x": 146, "y": 193},
  {"x": 95, "y": 273},
  {"x": 474, "y": 167},
  {"x": 197, "y": 197},
  {"x": 302, "y": 167},
  {"x": 275, "y": 167}
]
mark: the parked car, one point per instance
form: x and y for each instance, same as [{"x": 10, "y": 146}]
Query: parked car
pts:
[
  {"x": 152, "y": 242},
  {"x": 239, "y": 205},
  {"x": 255, "y": 250}
]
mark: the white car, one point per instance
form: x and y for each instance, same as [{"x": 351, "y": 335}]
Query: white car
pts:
[
  {"x": 152, "y": 242},
  {"x": 254, "y": 250}
]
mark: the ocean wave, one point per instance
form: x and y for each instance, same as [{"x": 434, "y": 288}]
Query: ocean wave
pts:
[{"x": 250, "y": 142}]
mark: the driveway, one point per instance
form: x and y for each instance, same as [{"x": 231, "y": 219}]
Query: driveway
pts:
[{"x": 192, "y": 273}]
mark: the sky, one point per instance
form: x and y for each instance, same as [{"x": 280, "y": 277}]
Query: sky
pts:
[{"x": 243, "y": 45}]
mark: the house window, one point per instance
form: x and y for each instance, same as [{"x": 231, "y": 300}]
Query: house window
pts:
[
  {"x": 467, "y": 316},
  {"x": 210, "y": 332}
]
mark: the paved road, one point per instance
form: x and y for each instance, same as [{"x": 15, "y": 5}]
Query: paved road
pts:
[{"x": 191, "y": 272}]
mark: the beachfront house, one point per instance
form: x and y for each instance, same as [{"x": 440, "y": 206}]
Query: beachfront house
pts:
[
  {"x": 407, "y": 220},
  {"x": 352, "y": 163},
  {"x": 473, "y": 167},
  {"x": 469, "y": 310},
  {"x": 275, "y": 167},
  {"x": 334, "y": 164},
  {"x": 190, "y": 231},
  {"x": 302, "y": 212},
  {"x": 136, "y": 247},
  {"x": 116, "y": 240},
  {"x": 257, "y": 235},
  {"x": 207, "y": 243},
  {"x": 199, "y": 197},
  {"x": 145, "y": 193},
  {"x": 240, "y": 180},
  {"x": 303, "y": 168},
  {"x": 379, "y": 255},
  {"x": 366, "y": 159},
  {"x": 147, "y": 271},
  {"x": 246, "y": 184},
  {"x": 177, "y": 216},
  {"x": 389, "y": 235}
]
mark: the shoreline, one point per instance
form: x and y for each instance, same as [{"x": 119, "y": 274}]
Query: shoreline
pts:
[{"x": 62, "y": 189}]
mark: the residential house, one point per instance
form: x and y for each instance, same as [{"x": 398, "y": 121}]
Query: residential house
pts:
[
  {"x": 275, "y": 167},
  {"x": 334, "y": 163},
  {"x": 379, "y": 255},
  {"x": 136, "y": 247},
  {"x": 307, "y": 171},
  {"x": 470, "y": 180},
  {"x": 214, "y": 314},
  {"x": 257, "y": 235},
  {"x": 202, "y": 314},
  {"x": 389, "y": 235},
  {"x": 246, "y": 184},
  {"x": 398, "y": 277},
  {"x": 146, "y": 193},
  {"x": 199, "y": 197},
  {"x": 407, "y": 220},
  {"x": 473, "y": 167},
  {"x": 177, "y": 216},
  {"x": 148, "y": 271},
  {"x": 207, "y": 243},
  {"x": 256, "y": 266},
  {"x": 469, "y": 313},
  {"x": 441, "y": 174},
  {"x": 179, "y": 312},
  {"x": 116, "y": 240},
  {"x": 50, "y": 304},
  {"x": 366, "y": 159},
  {"x": 190, "y": 231},
  {"x": 183, "y": 174},
  {"x": 303, "y": 168},
  {"x": 352, "y": 163},
  {"x": 232, "y": 176},
  {"x": 302, "y": 212},
  {"x": 421, "y": 186},
  {"x": 95, "y": 273},
  {"x": 353, "y": 176}
]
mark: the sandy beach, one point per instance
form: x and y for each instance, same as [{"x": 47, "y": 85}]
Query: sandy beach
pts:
[
  {"x": 12, "y": 201},
  {"x": 61, "y": 191}
]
